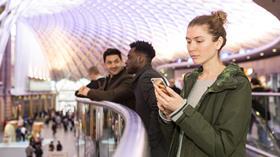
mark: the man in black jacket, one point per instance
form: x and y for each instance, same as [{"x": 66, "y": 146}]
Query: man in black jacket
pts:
[
  {"x": 97, "y": 79},
  {"x": 173, "y": 86},
  {"x": 139, "y": 62},
  {"x": 117, "y": 85}
]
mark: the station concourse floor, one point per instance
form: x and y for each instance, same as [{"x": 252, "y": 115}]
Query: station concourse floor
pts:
[
  {"x": 68, "y": 141},
  {"x": 17, "y": 149}
]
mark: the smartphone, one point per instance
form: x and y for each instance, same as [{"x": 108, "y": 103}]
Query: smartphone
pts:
[{"x": 160, "y": 83}]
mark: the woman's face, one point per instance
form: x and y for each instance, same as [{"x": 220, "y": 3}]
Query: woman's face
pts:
[{"x": 200, "y": 44}]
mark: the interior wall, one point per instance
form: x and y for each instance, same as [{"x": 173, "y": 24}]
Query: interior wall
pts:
[
  {"x": 265, "y": 67},
  {"x": 29, "y": 58}
]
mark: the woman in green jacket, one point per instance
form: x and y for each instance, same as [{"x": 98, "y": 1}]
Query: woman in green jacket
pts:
[{"x": 211, "y": 117}]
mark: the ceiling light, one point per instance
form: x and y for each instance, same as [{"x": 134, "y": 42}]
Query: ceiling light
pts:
[
  {"x": 190, "y": 61},
  {"x": 233, "y": 60},
  {"x": 224, "y": 55},
  {"x": 249, "y": 71},
  {"x": 274, "y": 50},
  {"x": 261, "y": 54},
  {"x": 179, "y": 60},
  {"x": 248, "y": 57},
  {"x": 242, "y": 51}
]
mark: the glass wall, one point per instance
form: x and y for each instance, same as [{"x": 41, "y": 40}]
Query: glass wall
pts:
[
  {"x": 264, "y": 132},
  {"x": 102, "y": 128}
]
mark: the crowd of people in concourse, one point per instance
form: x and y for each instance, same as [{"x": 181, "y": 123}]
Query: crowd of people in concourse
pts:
[
  {"x": 210, "y": 116},
  {"x": 29, "y": 129},
  {"x": 55, "y": 120}
]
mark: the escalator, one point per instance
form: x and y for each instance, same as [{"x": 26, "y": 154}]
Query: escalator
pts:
[{"x": 264, "y": 138}]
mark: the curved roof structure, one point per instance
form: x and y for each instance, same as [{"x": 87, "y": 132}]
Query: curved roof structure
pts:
[{"x": 74, "y": 34}]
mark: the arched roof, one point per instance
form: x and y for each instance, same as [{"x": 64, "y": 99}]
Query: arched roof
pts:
[{"x": 74, "y": 34}]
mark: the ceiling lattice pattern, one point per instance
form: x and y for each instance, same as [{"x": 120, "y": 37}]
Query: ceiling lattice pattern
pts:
[{"x": 75, "y": 33}]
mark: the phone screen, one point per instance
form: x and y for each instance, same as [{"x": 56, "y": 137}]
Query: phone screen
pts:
[{"x": 160, "y": 83}]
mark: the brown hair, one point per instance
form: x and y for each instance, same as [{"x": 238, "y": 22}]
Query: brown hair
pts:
[
  {"x": 93, "y": 70},
  {"x": 215, "y": 23}
]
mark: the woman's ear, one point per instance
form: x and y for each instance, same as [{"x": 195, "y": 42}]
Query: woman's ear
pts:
[{"x": 219, "y": 43}]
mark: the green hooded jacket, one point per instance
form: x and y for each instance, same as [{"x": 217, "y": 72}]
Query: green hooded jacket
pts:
[{"x": 218, "y": 125}]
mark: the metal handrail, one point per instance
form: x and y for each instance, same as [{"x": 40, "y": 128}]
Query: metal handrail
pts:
[
  {"x": 134, "y": 134},
  {"x": 271, "y": 134},
  {"x": 265, "y": 94},
  {"x": 264, "y": 125},
  {"x": 258, "y": 151}
]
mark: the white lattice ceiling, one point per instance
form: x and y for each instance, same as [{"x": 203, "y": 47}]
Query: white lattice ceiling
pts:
[{"x": 74, "y": 33}]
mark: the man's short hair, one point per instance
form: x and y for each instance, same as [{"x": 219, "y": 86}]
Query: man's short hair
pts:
[
  {"x": 144, "y": 48},
  {"x": 255, "y": 81},
  {"x": 111, "y": 51},
  {"x": 93, "y": 70}
]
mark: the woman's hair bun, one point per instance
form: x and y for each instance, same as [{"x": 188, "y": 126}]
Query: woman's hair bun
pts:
[{"x": 219, "y": 15}]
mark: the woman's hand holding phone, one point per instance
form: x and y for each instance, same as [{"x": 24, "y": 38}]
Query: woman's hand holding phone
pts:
[
  {"x": 167, "y": 100},
  {"x": 160, "y": 83}
]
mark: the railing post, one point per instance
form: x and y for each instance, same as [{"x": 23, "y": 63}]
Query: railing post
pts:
[
  {"x": 99, "y": 127},
  {"x": 77, "y": 129},
  {"x": 119, "y": 128}
]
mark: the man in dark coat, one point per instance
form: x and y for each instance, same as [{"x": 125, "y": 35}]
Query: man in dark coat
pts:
[
  {"x": 173, "y": 86},
  {"x": 260, "y": 105},
  {"x": 59, "y": 146},
  {"x": 29, "y": 150},
  {"x": 97, "y": 79},
  {"x": 139, "y": 62},
  {"x": 38, "y": 151},
  {"x": 117, "y": 85}
]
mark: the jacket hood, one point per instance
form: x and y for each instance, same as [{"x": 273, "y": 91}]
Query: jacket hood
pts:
[{"x": 226, "y": 80}]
